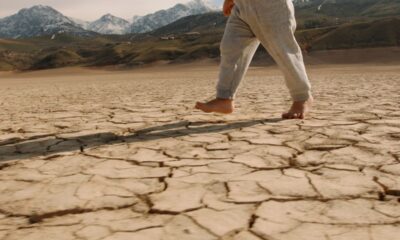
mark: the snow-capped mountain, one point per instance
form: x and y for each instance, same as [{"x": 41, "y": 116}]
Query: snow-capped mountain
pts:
[
  {"x": 161, "y": 18},
  {"x": 199, "y": 4},
  {"x": 44, "y": 20},
  {"x": 36, "y": 21},
  {"x": 135, "y": 18},
  {"x": 81, "y": 23},
  {"x": 109, "y": 24}
]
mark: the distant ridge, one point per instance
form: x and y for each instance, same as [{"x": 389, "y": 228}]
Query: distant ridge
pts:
[
  {"x": 128, "y": 51},
  {"x": 109, "y": 24},
  {"x": 213, "y": 21},
  {"x": 196, "y": 37},
  {"x": 161, "y": 18},
  {"x": 39, "y": 20},
  {"x": 44, "y": 20}
]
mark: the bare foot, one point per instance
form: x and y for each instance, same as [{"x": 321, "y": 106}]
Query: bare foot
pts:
[
  {"x": 224, "y": 106},
  {"x": 299, "y": 109}
]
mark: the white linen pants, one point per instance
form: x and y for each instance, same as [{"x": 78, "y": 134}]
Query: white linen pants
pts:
[{"x": 271, "y": 22}]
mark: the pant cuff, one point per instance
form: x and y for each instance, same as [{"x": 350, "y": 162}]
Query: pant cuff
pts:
[
  {"x": 224, "y": 94},
  {"x": 301, "y": 97}
]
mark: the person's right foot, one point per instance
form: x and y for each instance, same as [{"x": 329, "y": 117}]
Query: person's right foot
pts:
[
  {"x": 224, "y": 106},
  {"x": 299, "y": 109}
]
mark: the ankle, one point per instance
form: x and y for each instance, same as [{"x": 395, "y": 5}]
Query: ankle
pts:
[
  {"x": 225, "y": 100},
  {"x": 308, "y": 100}
]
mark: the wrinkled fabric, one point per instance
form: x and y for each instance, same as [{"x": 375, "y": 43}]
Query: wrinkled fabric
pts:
[{"x": 271, "y": 23}]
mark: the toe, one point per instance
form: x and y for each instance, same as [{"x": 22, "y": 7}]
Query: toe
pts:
[
  {"x": 286, "y": 116},
  {"x": 203, "y": 107}
]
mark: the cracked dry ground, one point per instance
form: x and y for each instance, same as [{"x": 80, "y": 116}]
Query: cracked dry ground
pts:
[{"x": 122, "y": 155}]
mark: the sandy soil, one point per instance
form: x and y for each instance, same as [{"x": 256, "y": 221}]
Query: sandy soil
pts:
[{"x": 94, "y": 154}]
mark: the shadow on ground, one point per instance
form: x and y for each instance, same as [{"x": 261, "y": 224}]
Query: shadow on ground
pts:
[{"x": 28, "y": 148}]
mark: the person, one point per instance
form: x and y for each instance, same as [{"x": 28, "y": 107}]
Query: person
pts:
[{"x": 271, "y": 23}]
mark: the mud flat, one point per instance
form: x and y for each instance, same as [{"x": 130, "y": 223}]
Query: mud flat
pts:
[{"x": 95, "y": 154}]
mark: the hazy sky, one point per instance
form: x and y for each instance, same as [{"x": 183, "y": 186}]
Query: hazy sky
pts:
[{"x": 92, "y": 9}]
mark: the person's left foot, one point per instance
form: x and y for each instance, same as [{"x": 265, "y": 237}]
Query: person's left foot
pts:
[
  {"x": 224, "y": 106},
  {"x": 299, "y": 109}
]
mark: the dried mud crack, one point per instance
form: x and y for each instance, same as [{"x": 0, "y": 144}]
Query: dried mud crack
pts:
[{"x": 132, "y": 160}]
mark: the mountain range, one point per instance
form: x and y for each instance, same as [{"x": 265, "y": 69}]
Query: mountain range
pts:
[
  {"x": 322, "y": 25},
  {"x": 164, "y": 17},
  {"x": 109, "y": 24},
  {"x": 39, "y": 20},
  {"x": 44, "y": 20}
]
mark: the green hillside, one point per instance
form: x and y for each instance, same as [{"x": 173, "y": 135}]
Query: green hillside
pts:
[
  {"x": 323, "y": 13},
  {"x": 382, "y": 33},
  {"x": 383, "y": 8},
  {"x": 199, "y": 23},
  {"x": 58, "y": 58}
]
